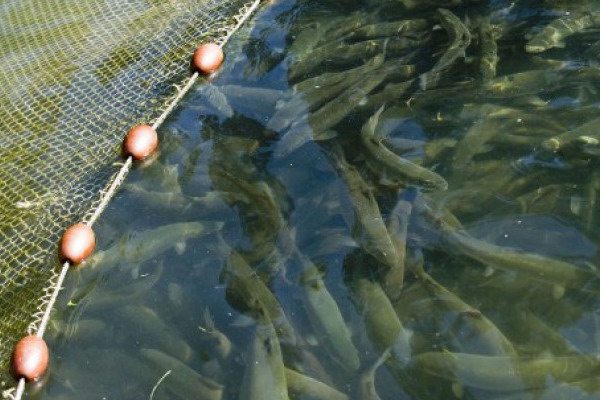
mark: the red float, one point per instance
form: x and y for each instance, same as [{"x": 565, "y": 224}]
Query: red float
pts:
[
  {"x": 141, "y": 141},
  {"x": 208, "y": 58},
  {"x": 78, "y": 243},
  {"x": 30, "y": 358}
]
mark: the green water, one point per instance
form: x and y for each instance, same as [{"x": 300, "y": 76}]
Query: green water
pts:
[{"x": 415, "y": 223}]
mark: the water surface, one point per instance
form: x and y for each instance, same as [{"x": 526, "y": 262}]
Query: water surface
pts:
[{"x": 473, "y": 195}]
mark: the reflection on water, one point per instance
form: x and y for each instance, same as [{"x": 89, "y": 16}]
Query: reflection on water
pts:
[{"x": 392, "y": 199}]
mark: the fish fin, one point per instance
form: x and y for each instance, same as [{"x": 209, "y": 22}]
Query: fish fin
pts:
[
  {"x": 180, "y": 248},
  {"x": 458, "y": 390},
  {"x": 558, "y": 291},
  {"x": 485, "y": 148},
  {"x": 243, "y": 321},
  {"x": 370, "y": 127},
  {"x": 135, "y": 272},
  {"x": 311, "y": 340},
  {"x": 385, "y": 181},
  {"x": 378, "y": 59},
  {"x": 489, "y": 271},
  {"x": 207, "y": 320},
  {"x": 401, "y": 347},
  {"x": 326, "y": 135},
  {"x": 297, "y": 136}
]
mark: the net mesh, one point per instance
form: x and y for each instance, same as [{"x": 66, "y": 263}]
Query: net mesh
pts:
[{"x": 75, "y": 76}]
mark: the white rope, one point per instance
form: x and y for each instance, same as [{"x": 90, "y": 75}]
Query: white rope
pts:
[
  {"x": 161, "y": 119},
  {"x": 20, "y": 389},
  {"x": 186, "y": 88},
  {"x": 182, "y": 92},
  {"x": 61, "y": 278},
  {"x": 248, "y": 12},
  {"x": 110, "y": 192}
]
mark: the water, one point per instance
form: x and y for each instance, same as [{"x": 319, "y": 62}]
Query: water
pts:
[{"x": 161, "y": 302}]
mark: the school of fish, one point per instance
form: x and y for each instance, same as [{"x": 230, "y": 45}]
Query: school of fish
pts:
[{"x": 383, "y": 199}]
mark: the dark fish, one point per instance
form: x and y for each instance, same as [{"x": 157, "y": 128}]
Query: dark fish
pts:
[
  {"x": 460, "y": 38},
  {"x": 558, "y": 30}
]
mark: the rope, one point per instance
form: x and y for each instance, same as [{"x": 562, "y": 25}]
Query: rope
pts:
[
  {"x": 20, "y": 389},
  {"x": 111, "y": 191},
  {"x": 116, "y": 182},
  {"x": 245, "y": 15},
  {"x": 61, "y": 278}
]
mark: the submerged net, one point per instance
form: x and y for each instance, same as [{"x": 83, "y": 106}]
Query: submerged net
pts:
[{"x": 75, "y": 76}]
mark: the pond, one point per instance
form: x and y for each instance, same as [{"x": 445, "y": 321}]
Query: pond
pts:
[{"x": 371, "y": 200}]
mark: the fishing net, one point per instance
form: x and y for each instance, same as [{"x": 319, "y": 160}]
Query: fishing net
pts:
[{"x": 75, "y": 76}]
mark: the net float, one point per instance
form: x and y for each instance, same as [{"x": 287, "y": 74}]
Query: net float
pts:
[
  {"x": 208, "y": 58},
  {"x": 140, "y": 142},
  {"x": 78, "y": 243},
  {"x": 30, "y": 358}
]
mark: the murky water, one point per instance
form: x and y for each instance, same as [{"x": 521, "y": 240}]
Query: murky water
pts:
[{"x": 393, "y": 200}]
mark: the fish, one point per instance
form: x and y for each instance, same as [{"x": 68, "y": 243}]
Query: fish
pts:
[
  {"x": 393, "y": 166},
  {"x": 302, "y": 385},
  {"x": 260, "y": 211},
  {"x": 543, "y": 233},
  {"x": 591, "y": 192},
  {"x": 154, "y": 331},
  {"x": 327, "y": 79},
  {"x": 125, "y": 370},
  {"x": 585, "y": 389},
  {"x": 264, "y": 375},
  {"x": 418, "y": 4},
  {"x": 397, "y": 226},
  {"x": 539, "y": 336},
  {"x": 306, "y": 40},
  {"x": 183, "y": 381},
  {"x": 506, "y": 373},
  {"x": 317, "y": 125},
  {"x": 214, "y": 100},
  {"x": 396, "y": 91},
  {"x": 250, "y": 288},
  {"x": 103, "y": 297},
  {"x": 136, "y": 248},
  {"x": 384, "y": 328},
  {"x": 162, "y": 177},
  {"x": 488, "y": 49},
  {"x": 555, "y": 33},
  {"x": 341, "y": 53},
  {"x": 326, "y": 318},
  {"x": 523, "y": 83},
  {"x": 176, "y": 201},
  {"x": 340, "y": 27},
  {"x": 580, "y": 133},
  {"x": 254, "y": 102},
  {"x": 476, "y": 138},
  {"x": 221, "y": 345},
  {"x": 437, "y": 148},
  {"x": 307, "y": 361},
  {"x": 593, "y": 52},
  {"x": 366, "y": 384},
  {"x": 409, "y": 27},
  {"x": 314, "y": 92},
  {"x": 87, "y": 332},
  {"x": 460, "y": 39},
  {"x": 368, "y": 227},
  {"x": 553, "y": 271},
  {"x": 330, "y": 241},
  {"x": 485, "y": 335}
]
